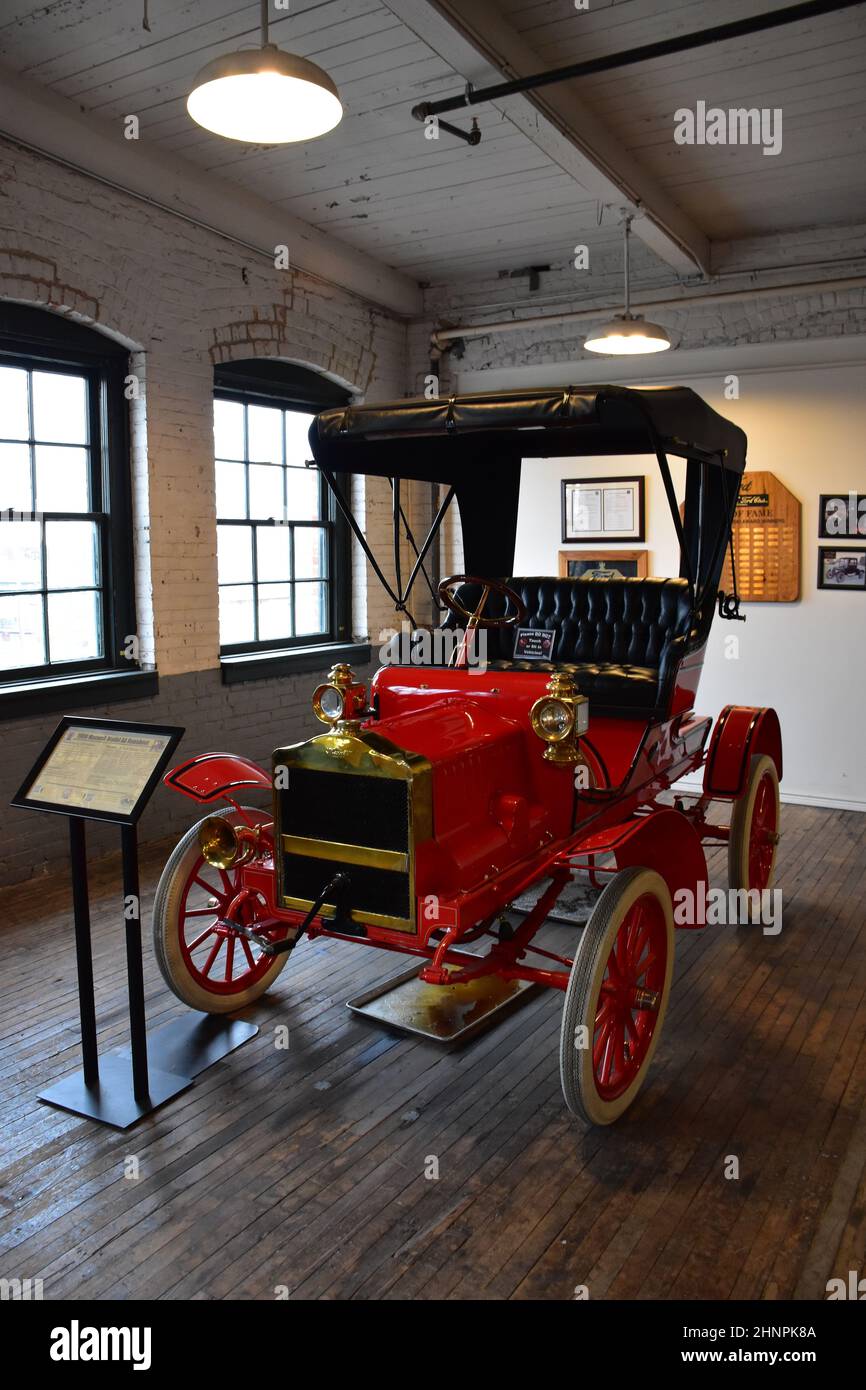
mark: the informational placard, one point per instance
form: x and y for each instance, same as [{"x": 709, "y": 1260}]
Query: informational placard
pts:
[
  {"x": 534, "y": 644},
  {"x": 101, "y": 769}
]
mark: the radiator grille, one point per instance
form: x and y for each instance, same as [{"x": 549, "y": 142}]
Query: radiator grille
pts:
[
  {"x": 351, "y": 809},
  {"x": 377, "y": 891},
  {"x": 372, "y": 811}
]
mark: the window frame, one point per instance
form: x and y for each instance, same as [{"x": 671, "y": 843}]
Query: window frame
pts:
[
  {"x": 36, "y": 340},
  {"x": 339, "y": 574}
]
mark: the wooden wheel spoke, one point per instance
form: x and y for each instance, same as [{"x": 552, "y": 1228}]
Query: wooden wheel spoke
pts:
[
  {"x": 601, "y": 1042},
  {"x": 229, "y": 887},
  {"x": 206, "y": 968},
  {"x": 230, "y": 958},
  {"x": 615, "y": 977},
  {"x": 247, "y": 952},
  {"x": 210, "y": 888},
  {"x": 603, "y": 1012},
  {"x": 644, "y": 966},
  {"x": 204, "y": 936},
  {"x": 607, "y": 1058}
]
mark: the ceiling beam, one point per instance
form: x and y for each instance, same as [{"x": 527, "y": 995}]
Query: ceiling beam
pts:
[
  {"x": 51, "y": 125},
  {"x": 474, "y": 38}
]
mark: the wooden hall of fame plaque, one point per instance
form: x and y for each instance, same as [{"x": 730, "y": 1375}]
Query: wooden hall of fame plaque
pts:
[{"x": 766, "y": 536}]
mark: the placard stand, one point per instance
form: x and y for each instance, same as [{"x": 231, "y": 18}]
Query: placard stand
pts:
[
  {"x": 119, "y": 1089},
  {"x": 124, "y": 1085}
]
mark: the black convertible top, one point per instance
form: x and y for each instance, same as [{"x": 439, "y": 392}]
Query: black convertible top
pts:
[
  {"x": 475, "y": 445},
  {"x": 533, "y": 423}
]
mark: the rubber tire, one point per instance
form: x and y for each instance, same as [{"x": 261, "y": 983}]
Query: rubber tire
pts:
[
  {"x": 575, "y": 1064},
  {"x": 741, "y": 823},
  {"x": 166, "y": 944}
]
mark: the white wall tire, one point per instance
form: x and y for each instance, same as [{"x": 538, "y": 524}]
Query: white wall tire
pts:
[
  {"x": 238, "y": 973},
  {"x": 616, "y": 1004},
  {"x": 754, "y": 833}
]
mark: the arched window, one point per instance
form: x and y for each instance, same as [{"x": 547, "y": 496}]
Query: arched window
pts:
[
  {"x": 284, "y": 581},
  {"x": 66, "y": 590}
]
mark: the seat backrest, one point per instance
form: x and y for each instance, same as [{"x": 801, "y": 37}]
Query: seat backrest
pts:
[{"x": 626, "y": 621}]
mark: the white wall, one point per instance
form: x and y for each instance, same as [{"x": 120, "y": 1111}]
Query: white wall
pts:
[{"x": 803, "y": 407}]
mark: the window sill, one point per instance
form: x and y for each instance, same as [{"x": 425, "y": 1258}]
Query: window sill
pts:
[
  {"x": 291, "y": 661},
  {"x": 20, "y": 699}
]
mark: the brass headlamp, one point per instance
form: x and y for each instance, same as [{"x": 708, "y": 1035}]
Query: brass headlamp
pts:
[
  {"x": 341, "y": 698},
  {"x": 559, "y": 718}
]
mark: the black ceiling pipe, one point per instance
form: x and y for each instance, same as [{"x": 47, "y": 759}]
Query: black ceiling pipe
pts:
[{"x": 740, "y": 28}]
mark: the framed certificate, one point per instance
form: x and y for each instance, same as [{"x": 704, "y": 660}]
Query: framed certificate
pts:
[
  {"x": 603, "y": 509},
  {"x": 100, "y": 769}
]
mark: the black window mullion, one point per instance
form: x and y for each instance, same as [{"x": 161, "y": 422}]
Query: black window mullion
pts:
[
  {"x": 108, "y": 487},
  {"x": 334, "y": 567},
  {"x": 254, "y": 553}
]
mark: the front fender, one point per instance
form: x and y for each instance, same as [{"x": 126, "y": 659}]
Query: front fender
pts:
[{"x": 210, "y": 776}]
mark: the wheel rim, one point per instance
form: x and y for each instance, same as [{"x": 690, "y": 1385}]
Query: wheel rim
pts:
[
  {"x": 218, "y": 958},
  {"x": 630, "y": 996},
  {"x": 762, "y": 833}
]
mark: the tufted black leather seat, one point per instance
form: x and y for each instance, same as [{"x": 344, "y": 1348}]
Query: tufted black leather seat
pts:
[{"x": 622, "y": 638}]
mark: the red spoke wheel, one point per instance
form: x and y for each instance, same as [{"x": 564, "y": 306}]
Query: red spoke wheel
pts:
[
  {"x": 203, "y": 960},
  {"x": 617, "y": 996},
  {"x": 754, "y": 835}
]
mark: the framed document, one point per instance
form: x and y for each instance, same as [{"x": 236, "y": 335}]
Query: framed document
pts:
[
  {"x": 603, "y": 509},
  {"x": 99, "y": 769}
]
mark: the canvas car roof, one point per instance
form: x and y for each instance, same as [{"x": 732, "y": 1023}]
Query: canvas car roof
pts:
[{"x": 451, "y": 432}]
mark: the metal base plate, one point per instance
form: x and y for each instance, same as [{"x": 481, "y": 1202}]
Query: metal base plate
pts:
[
  {"x": 175, "y": 1054},
  {"x": 443, "y": 1013},
  {"x": 195, "y": 1041},
  {"x": 111, "y": 1101}
]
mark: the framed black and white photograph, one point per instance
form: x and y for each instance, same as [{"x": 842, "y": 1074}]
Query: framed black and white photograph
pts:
[
  {"x": 842, "y": 569},
  {"x": 842, "y": 516},
  {"x": 603, "y": 509}
]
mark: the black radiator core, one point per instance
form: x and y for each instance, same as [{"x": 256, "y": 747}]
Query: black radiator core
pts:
[
  {"x": 358, "y": 810},
  {"x": 371, "y": 890},
  {"x": 352, "y": 809}
]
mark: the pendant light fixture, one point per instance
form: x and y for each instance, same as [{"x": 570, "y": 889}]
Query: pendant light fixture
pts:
[
  {"x": 628, "y": 334},
  {"x": 263, "y": 96}
]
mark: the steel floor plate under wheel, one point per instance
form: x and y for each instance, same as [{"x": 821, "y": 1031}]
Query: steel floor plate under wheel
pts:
[{"x": 442, "y": 1013}]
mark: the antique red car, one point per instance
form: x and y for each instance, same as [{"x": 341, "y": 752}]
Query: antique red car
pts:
[{"x": 452, "y": 789}]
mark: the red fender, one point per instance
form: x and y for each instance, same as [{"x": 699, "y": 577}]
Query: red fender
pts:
[
  {"x": 212, "y": 775},
  {"x": 665, "y": 841},
  {"x": 741, "y": 732}
]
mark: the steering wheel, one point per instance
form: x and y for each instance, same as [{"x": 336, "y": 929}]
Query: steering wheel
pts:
[{"x": 488, "y": 586}]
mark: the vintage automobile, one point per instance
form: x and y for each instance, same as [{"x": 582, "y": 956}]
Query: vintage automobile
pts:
[{"x": 448, "y": 792}]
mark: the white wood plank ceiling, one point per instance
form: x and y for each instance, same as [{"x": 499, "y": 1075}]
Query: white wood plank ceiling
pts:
[{"x": 439, "y": 210}]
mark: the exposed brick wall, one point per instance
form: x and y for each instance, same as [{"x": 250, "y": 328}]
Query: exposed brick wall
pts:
[
  {"x": 182, "y": 299},
  {"x": 737, "y": 266}
]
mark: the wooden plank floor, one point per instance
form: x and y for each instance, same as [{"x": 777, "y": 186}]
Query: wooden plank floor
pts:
[{"x": 304, "y": 1170}]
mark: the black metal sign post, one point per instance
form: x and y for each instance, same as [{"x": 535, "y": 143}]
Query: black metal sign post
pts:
[
  {"x": 82, "y": 774},
  {"x": 83, "y": 954}
]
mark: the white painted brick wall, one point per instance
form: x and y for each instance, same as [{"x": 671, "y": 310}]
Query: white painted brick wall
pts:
[{"x": 185, "y": 299}]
